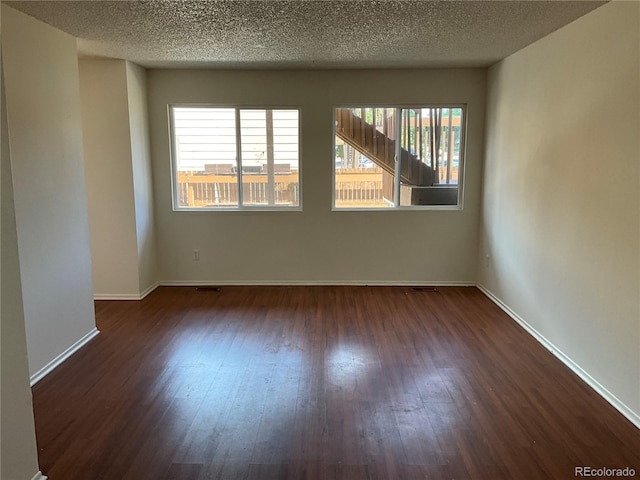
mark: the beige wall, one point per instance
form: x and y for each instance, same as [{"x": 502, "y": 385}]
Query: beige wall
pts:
[
  {"x": 18, "y": 453},
  {"x": 317, "y": 245},
  {"x": 142, "y": 176},
  {"x": 118, "y": 176},
  {"x": 560, "y": 207},
  {"x": 44, "y": 130},
  {"x": 109, "y": 177}
]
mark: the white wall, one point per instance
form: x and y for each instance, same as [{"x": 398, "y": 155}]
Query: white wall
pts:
[
  {"x": 109, "y": 177},
  {"x": 118, "y": 175},
  {"x": 45, "y": 137},
  {"x": 142, "y": 176},
  {"x": 317, "y": 245},
  {"x": 18, "y": 453},
  {"x": 561, "y": 209}
]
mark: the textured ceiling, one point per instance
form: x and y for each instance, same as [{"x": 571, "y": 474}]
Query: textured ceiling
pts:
[{"x": 306, "y": 34}]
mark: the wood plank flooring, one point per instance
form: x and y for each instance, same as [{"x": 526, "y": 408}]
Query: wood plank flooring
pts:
[{"x": 320, "y": 383}]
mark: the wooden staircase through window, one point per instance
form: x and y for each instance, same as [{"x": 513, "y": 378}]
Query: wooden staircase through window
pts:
[{"x": 380, "y": 146}]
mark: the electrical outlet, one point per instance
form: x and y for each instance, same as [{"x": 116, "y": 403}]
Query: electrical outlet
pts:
[
  {"x": 196, "y": 255},
  {"x": 487, "y": 260}
]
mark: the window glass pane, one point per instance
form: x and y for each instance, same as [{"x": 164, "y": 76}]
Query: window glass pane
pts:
[
  {"x": 270, "y": 173},
  {"x": 206, "y": 160},
  {"x": 253, "y": 130},
  {"x": 428, "y": 140},
  {"x": 286, "y": 151},
  {"x": 430, "y": 156},
  {"x": 205, "y": 157},
  {"x": 364, "y": 157}
]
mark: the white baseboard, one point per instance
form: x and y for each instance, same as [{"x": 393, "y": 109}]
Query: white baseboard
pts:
[
  {"x": 149, "y": 289},
  {"x": 632, "y": 416},
  {"x": 302, "y": 283},
  {"x": 116, "y": 296},
  {"x": 39, "y": 476},
  {"x": 126, "y": 296},
  {"x": 49, "y": 367},
  {"x": 287, "y": 283}
]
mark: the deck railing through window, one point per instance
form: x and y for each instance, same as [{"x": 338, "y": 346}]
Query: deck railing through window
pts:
[{"x": 197, "y": 189}]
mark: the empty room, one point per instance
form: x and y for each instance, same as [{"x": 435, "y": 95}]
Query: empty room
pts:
[{"x": 320, "y": 240}]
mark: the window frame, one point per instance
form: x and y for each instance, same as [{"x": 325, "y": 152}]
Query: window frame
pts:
[
  {"x": 459, "y": 206},
  {"x": 175, "y": 200}
]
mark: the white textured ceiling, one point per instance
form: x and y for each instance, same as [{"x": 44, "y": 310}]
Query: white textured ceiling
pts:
[{"x": 304, "y": 33}]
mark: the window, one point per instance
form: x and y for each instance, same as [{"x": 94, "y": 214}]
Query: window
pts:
[
  {"x": 427, "y": 141},
  {"x": 235, "y": 158}
]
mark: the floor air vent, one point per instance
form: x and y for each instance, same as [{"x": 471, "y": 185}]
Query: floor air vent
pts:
[
  {"x": 424, "y": 289},
  {"x": 208, "y": 289}
]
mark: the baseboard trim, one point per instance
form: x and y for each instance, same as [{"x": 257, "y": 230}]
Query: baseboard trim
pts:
[
  {"x": 116, "y": 296},
  {"x": 149, "y": 290},
  {"x": 270, "y": 283},
  {"x": 311, "y": 283},
  {"x": 49, "y": 367},
  {"x": 39, "y": 476},
  {"x": 629, "y": 414},
  {"x": 126, "y": 296}
]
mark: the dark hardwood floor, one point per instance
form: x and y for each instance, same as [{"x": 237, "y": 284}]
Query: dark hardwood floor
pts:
[{"x": 320, "y": 383}]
